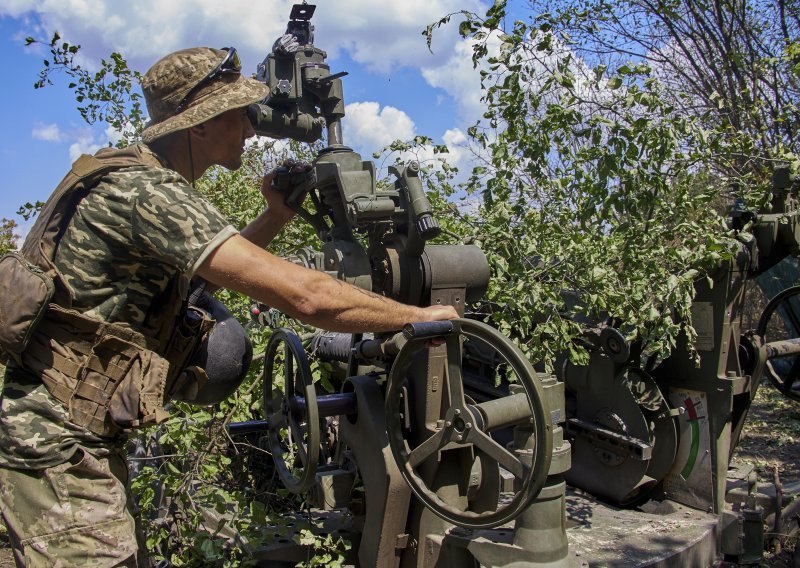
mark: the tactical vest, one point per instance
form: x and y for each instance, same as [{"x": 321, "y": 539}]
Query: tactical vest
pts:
[{"x": 109, "y": 377}]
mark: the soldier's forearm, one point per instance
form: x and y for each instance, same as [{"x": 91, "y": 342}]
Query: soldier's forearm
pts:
[
  {"x": 264, "y": 228},
  {"x": 338, "y": 306},
  {"x": 308, "y": 295}
]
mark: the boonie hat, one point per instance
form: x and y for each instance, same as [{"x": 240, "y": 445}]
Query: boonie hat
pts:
[{"x": 168, "y": 81}]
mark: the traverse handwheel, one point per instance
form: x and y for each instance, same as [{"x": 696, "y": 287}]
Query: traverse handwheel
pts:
[
  {"x": 782, "y": 369},
  {"x": 290, "y": 405},
  {"x": 463, "y": 424}
]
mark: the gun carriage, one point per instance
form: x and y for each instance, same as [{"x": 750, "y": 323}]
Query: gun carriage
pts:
[{"x": 468, "y": 456}]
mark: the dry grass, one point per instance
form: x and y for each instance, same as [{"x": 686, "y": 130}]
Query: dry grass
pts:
[
  {"x": 770, "y": 439},
  {"x": 771, "y": 435}
]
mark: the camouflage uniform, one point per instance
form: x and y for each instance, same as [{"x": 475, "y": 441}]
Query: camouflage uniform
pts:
[{"x": 62, "y": 488}]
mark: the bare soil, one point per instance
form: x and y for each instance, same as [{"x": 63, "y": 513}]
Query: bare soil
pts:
[
  {"x": 771, "y": 436},
  {"x": 771, "y": 440}
]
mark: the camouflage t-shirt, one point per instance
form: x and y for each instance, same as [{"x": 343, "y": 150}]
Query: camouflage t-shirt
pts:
[{"x": 127, "y": 240}]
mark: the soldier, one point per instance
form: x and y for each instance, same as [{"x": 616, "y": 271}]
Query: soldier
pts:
[{"x": 127, "y": 249}]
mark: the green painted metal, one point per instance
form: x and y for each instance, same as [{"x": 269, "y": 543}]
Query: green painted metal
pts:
[
  {"x": 460, "y": 430},
  {"x": 649, "y": 449}
]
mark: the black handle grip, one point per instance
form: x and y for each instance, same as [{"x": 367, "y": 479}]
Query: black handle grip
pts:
[{"x": 424, "y": 330}]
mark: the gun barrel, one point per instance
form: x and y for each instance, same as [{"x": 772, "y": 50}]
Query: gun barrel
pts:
[
  {"x": 249, "y": 427},
  {"x": 327, "y": 405},
  {"x": 785, "y": 348}
]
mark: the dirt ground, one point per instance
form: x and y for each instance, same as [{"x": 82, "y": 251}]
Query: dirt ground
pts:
[{"x": 771, "y": 438}]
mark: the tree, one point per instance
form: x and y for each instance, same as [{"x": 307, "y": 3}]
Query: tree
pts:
[
  {"x": 598, "y": 190},
  {"x": 729, "y": 62},
  {"x": 8, "y": 238},
  {"x": 107, "y": 95}
]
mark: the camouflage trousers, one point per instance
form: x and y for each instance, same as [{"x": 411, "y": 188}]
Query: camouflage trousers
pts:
[{"x": 74, "y": 514}]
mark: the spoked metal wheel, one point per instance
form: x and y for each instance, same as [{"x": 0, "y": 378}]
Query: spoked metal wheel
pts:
[
  {"x": 290, "y": 404},
  {"x": 783, "y": 354},
  {"x": 468, "y": 426}
]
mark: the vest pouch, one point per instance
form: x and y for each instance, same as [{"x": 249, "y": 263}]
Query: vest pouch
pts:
[
  {"x": 193, "y": 325},
  {"x": 120, "y": 386},
  {"x": 25, "y": 293}
]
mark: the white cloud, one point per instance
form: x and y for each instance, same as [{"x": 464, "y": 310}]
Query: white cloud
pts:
[
  {"x": 370, "y": 128},
  {"x": 47, "y": 132},
  {"x": 86, "y": 142},
  {"x": 14, "y": 8},
  {"x": 113, "y": 135},
  {"x": 457, "y": 143},
  {"x": 459, "y": 79},
  {"x": 81, "y": 141},
  {"x": 458, "y": 154},
  {"x": 378, "y": 34}
]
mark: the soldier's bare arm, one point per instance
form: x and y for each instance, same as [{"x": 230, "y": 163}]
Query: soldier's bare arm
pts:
[{"x": 310, "y": 296}]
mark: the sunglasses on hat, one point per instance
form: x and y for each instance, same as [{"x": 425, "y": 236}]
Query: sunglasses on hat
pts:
[{"x": 229, "y": 65}]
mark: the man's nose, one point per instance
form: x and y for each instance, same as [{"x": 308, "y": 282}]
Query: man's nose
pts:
[{"x": 249, "y": 132}]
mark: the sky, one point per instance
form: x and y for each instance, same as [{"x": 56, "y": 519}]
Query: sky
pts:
[{"x": 396, "y": 87}]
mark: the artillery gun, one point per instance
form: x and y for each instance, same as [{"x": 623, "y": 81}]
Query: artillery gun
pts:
[{"x": 466, "y": 455}]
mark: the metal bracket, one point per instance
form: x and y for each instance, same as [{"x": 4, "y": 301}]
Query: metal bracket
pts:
[{"x": 629, "y": 445}]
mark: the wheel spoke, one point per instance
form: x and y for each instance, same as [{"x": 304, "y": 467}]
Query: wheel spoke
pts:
[
  {"x": 498, "y": 453},
  {"x": 275, "y": 403},
  {"x": 277, "y": 419},
  {"x": 297, "y": 433},
  {"x": 455, "y": 383},
  {"x": 294, "y": 439},
  {"x": 459, "y": 428},
  {"x": 427, "y": 448},
  {"x": 288, "y": 371}
]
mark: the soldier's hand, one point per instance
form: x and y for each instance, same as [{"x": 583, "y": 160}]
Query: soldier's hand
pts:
[
  {"x": 436, "y": 313},
  {"x": 274, "y": 198},
  {"x": 279, "y": 183}
]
